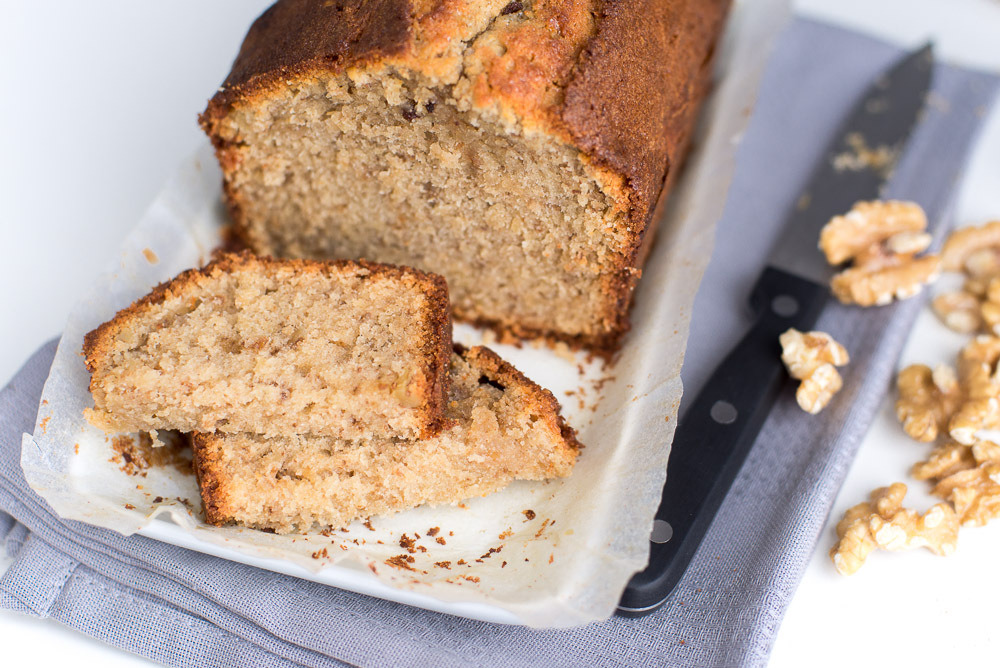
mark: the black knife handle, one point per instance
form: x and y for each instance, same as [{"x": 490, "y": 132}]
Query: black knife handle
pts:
[{"x": 715, "y": 434}]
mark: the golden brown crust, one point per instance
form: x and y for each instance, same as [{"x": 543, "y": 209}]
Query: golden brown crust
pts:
[
  {"x": 644, "y": 136},
  {"x": 207, "y": 471},
  {"x": 437, "y": 348},
  {"x": 603, "y": 346},
  {"x": 296, "y": 36},
  {"x": 619, "y": 80},
  {"x": 436, "y": 339}
]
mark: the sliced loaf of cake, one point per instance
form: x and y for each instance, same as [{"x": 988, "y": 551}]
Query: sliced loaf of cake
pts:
[
  {"x": 273, "y": 347},
  {"x": 500, "y": 427},
  {"x": 520, "y": 149}
]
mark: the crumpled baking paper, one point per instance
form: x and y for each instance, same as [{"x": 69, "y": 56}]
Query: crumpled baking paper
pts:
[{"x": 550, "y": 554}]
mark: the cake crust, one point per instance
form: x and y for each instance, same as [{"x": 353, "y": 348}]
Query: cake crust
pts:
[
  {"x": 430, "y": 383},
  {"x": 621, "y": 81}
]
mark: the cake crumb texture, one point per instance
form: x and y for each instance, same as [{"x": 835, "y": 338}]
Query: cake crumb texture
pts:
[
  {"x": 501, "y": 427},
  {"x": 273, "y": 347}
]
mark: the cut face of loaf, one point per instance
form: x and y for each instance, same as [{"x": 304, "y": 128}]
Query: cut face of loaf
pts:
[
  {"x": 501, "y": 427},
  {"x": 521, "y": 161},
  {"x": 272, "y": 347}
]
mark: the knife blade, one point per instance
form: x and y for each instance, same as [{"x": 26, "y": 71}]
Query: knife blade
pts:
[{"x": 716, "y": 432}]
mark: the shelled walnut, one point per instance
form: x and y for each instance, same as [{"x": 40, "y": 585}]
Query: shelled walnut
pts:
[
  {"x": 935, "y": 402},
  {"x": 883, "y": 523},
  {"x": 959, "y": 311},
  {"x": 880, "y": 282},
  {"x": 882, "y": 239},
  {"x": 866, "y": 225},
  {"x": 989, "y": 310},
  {"x": 927, "y": 400},
  {"x": 964, "y": 470},
  {"x": 966, "y": 476},
  {"x": 812, "y": 357},
  {"x": 974, "y": 251},
  {"x": 980, "y": 385},
  {"x": 943, "y": 461}
]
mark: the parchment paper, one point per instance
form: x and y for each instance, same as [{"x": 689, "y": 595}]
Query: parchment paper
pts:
[{"x": 563, "y": 564}]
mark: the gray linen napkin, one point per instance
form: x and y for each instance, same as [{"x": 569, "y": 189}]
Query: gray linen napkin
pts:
[{"x": 188, "y": 609}]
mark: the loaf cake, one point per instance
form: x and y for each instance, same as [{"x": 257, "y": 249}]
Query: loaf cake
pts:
[
  {"x": 250, "y": 344},
  {"x": 520, "y": 148},
  {"x": 500, "y": 427}
]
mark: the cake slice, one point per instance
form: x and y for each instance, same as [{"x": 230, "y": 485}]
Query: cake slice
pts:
[
  {"x": 500, "y": 427},
  {"x": 272, "y": 347},
  {"x": 520, "y": 149}
]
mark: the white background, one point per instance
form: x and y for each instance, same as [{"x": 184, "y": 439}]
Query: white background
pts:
[{"x": 97, "y": 106}]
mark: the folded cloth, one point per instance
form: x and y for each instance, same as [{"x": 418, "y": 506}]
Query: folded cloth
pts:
[{"x": 188, "y": 609}]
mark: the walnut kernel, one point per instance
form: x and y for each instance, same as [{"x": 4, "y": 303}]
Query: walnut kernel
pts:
[
  {"x": 882, "y": 239},
  {"x": 944, "y": 461},
  {"x": 975, "y": 251},
  {"x": 880, "y": 281},
  {"x": 980, "y": 407},
  {"x": 927, "y": 400},
  {"x": 983, "y": 263},
  {"x": 812, "y": 358},
  {"x": 989, "y": 310},
  {"x": 959, "y": 311},
  {"x": 868, "y": 224},
  {"x": 883, "y": 523},
  {"x": 963, "y": 245},
  {"x": 974, "y": 491}
]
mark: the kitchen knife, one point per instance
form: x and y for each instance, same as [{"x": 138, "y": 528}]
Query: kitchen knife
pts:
[{"x": 717, "y": 430}]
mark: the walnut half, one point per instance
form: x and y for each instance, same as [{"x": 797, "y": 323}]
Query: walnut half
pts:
[
  {"x": 974, "y": 251},
  {"x": 976, "y": 307},
  {"x": 812, "y": 357},
  {"x": 927, "y": 400},
  {"x": 966, "y": 476},
  {"x": 883, "y": 523},
  {"x": 866, "y": 225},
  {"x": 882, "y": 239},
  {"x": 959, "y": 311},
  {"x": 980, "y": 380}
]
